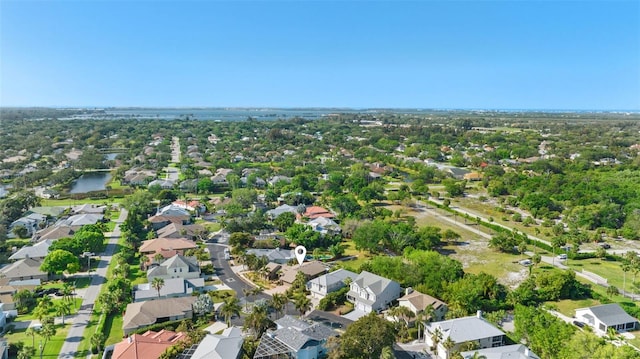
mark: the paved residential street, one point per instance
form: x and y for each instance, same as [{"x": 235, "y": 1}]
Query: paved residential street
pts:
[{"x": 77, "y": 330}]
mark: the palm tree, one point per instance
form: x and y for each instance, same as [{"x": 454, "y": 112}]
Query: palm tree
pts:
[
  {"x": 477, "y": 355},
  {"x": 67, "y": 292},
  {"x": 387, "y": 353},
  {"x": 302, "y": 303},
  {"x": 230, "y": 308},
  {"x": 436, "y": 337},
  {"x": 257, "y": 321},
  {"x": 32, "y": 333},
  {"x": 448, "y": 344},
  {"x": 26, "y": 352},
  {"x": 97, "y": 339},
  {"x": 62, "y": 309},
  {"x": 157, "y": 284},
  {"x": 278, "y": 302}
]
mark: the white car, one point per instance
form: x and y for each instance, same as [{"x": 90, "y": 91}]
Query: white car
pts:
[{"x": 562, "y": 256}]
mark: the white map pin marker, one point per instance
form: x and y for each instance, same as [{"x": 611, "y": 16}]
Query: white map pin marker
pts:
[{"x": 301, "y": 254}]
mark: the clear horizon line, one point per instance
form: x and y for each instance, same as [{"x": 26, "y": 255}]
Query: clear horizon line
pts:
[{"x": 351, "y": 108}]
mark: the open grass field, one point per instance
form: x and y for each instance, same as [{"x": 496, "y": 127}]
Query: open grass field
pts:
[
  {"x": 74, "y": 202},
  {"x": 608, "y": 269},
  {"x": 351, "y": 251}
]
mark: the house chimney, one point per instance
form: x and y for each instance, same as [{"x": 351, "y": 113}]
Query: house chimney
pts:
[
  {"x": 527, "y": 353},
  {"x": 479, "y": 314},
  {"x": 408, "y": 291}
]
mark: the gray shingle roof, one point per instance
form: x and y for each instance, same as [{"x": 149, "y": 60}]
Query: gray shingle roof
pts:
[
  {"x": 376, "y": 283},
  {"x": 466, "y": 329},
  {"x": 515, "y": 351},
  {"x": 612, "y": 314},
  {"x": 334, "y": 277}
]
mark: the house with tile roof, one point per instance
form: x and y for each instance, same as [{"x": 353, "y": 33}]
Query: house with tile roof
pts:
[
  {"x": 603, "y": 317},
  {"x": 473, "y": 329},
  {"x": 313, "y": 212},
  {"x": 294, "y": 338},
  {"x": 515, "y": 351},
  {"x": 324, "y": 225},
  {"x": 330, "y": 282},
  {"x": 370, "y": 292},
  {"x": 79, "y": 220},
  {"x": 417, "y": 303},
  {"x": 55, "y": 232},
  {"x": 141, "y": 314},
  {"x": 153, "y": 246},
  {"x": 149, "y": 345},
  {"x": 227, "y": 345},
  {"x": 177, "y": 266}
]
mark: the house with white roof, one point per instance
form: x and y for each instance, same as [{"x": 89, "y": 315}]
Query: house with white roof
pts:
[
  {"x": 515, "y": 351},
  {"x": 172, "y": 288},
  {"x": 79, "y": 220},
  {"x": 30, "y": 222},
  {"x": 473, "y": 329},
  {"x": 330, "y": 282},
  {"x": 324, "y": 225},
  {"x": 280, "y": 256},
  {"x": 371, "y": 292},
  {"x": 603, "y": 317},
  {"x": 227, "y": 345},
  {"x": 36, "y": 251},
  {"x": 285, "y": 208}
]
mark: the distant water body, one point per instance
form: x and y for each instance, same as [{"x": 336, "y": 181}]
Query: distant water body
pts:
[{"x": 231, "y": 114}]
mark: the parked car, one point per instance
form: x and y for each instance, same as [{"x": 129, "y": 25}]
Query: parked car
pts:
[
  {"x": 562, "y": 256},
  {"x": 525, "y": 262},
  {"x": 578, "y": 324},
  {"x": 605, "y": 245}
]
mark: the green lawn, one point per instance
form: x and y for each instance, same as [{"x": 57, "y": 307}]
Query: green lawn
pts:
[
  {"x": 113, "y": 326},
  {"x": 608, "y": 269},
  {"x": 350, "y": 250},
  {"x": 568, "y": 307},
  {"x": 85, "y": 344},
  {"x": 53, "y": 346},
  {"x": 136, "y": 275},
  {"x": 74, "y": 202}
]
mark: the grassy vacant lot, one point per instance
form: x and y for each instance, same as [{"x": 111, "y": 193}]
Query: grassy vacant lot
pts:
[
  {"x": 604, "y": 268},
  {"x": 351, "y": 251},
  {"x": 74, "y": 202}
]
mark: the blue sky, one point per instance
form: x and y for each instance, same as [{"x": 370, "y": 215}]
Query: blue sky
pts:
[{"x": 419, "y": 54}]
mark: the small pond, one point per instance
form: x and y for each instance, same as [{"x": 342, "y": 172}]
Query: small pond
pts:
[{"x": 94, "y": 181}]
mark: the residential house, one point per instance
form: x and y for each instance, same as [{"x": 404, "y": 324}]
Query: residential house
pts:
[
  {"x": 191, "y": 206},
  {"x": 160, "y": 220},
  {"x": 177, "y": 266},
  {"x": 296, "y": 339},
  {"x": 9, "y": 288},
  {"x": 275, "y": 179},
  {"x": 370, "y": 292},
  {"x": 149, "y": 345},
  {"x": 153, "y": 246},
  {"x": 141, "y": 314},
  {"x": 163, "y": 183},
  {"x": 36, "y": 251},
  {"x": 603, "y": 317},
  {"x": 273, "y": 270},
  {"x": 172, "y": 288},
  {"x": 330, "y": 282},
  {"x": 285, "y": 208},
  {"x": 174, "y": 210},
  {"x": 324, "y": 225},
  {"x": 473, "y": 329},
  {"x": 227, "y": 345},
  {"x": 79, "y": 220},
  {"x": 26, "y": 268},
  {"x": 457, "y": 173},
  {"x": 88, "y": 209},
  {"x": 313, "y": 212},
  {"x": 473, "y": 176},
  {"x": 54, "y": 232},
  {"x": 417, "y": 303},
  {"x": 310, "y": 270},
  {"x": 515, "y": 351},
  {"x": 277, "y": 255},
  {"x": 31, "y": 222}
]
